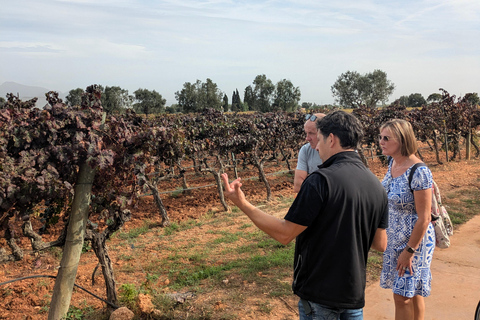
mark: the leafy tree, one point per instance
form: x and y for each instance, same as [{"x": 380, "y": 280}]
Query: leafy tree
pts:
[
  {"x": 379, "y": 88},
  {"x": 249, "y": 98},
  {"x": 353, "y": 89},
  {"x": 286, "y": 95},
  {"x": 472, "y": 99},
  {"x": 236, "y": 102},
  {"x": 210, "y": 96},
  {"x": 312, "y": 106},
  {"x": 187, "y": 97},
  {"x": 434, "y": 97},
  {"x": 174, "y": 108},
  {"x": 403, "y": 101},
  {"x": 307, "y": 105},
  {"x": 2, "y": 102},
  {"x": 199, "y": 96},
  {"x": 263, "y": 90},
  {"x": 148, "y": 102},
  {"x": 225, "y": 103},
  {"x": 116, "y": 99},
  {"x": 416, "y": 100},
  {"x": 347, "y": 89},
  {"x": 74, "y": 97}
]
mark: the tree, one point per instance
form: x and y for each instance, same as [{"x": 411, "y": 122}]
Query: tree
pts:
[
  {"x": 378, "y": 88},
  {"x": 174, "y": 108},
  {"x": 199, "y": 96},
  {"x": 403, "y": 101},
  {"x": 286, "y": 95},
  {"x": 187, "y": 97},
  {"x": 249, "y": 98},
  {"x": 472, "y": 99},
  {"x": 314, "y": 106},
  {"x": 263, "y": 90},
  {"x": 2, "y": 102},
  {"x": 434, "y": 97},
  {"x": 149, "y": 102},
  {"x": 74, "y": 97},
  {"x": 353, "y": 89},
  {"x": 209, "y": 96},
  {"x": 416, "y": 100},
  {"x": 236, "y": 102},
  {"x": 116, "y": 99},
  {"x": 225, "y": 103},
  {"x": 347, "y": 90}
]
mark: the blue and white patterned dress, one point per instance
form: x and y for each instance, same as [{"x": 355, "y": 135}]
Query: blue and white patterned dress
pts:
[{"x": 401, "y": 220}]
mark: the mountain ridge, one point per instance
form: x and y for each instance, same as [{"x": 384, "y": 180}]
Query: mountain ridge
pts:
[{"x": 26, "y": 92}]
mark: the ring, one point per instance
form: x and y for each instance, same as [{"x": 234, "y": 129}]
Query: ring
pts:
[{"x": 405, "y": 268}]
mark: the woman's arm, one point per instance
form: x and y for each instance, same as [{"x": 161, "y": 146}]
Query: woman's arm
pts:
[{"x": 423, "y": 204}]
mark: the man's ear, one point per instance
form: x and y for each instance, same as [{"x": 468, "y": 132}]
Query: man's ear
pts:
[{"x": 333, "y": 140}]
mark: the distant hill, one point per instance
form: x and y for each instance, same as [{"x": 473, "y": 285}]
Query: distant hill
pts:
[{"x": 26, "y": 92}]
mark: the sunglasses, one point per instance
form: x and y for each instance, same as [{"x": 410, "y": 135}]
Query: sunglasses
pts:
[
  {"x": 384, "y": 138},
  {"x": 311, "y": 117}
]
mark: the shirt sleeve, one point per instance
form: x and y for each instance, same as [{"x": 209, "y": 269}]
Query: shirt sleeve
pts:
[
  {"x": 313, "y": 190},
  {"x": 422, "y": 179},
  {"x": 384, "y": 220},
  {"x": 302, "y": 159}
]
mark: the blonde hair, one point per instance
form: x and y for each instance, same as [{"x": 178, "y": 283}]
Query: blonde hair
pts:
[{"x": 402, "y": 131}]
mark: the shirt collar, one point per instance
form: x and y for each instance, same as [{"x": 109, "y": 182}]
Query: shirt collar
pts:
[{"x": 341, "y": 156}]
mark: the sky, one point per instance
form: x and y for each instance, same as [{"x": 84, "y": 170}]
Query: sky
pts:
[{"x": 422, "y": 45}]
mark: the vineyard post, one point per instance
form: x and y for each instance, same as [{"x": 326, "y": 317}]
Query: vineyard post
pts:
[
  {"x": 469, "y": 145},
  {"x": 62, "y": 290},
  {"x": 446, "y": 139},
  {"x": 445, "y": 130}
]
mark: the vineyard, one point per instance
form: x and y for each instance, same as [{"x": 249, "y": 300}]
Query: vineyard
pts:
[{"x": 78, "y": 168}]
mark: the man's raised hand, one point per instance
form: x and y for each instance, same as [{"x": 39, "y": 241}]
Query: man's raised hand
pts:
[{"x": 233, "y": 191}]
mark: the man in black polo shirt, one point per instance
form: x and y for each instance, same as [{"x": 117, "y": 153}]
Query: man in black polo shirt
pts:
[{"x": 340, "y": 212}]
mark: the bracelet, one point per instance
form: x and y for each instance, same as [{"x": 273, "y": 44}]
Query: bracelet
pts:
[{"x": 410, "y": 249}]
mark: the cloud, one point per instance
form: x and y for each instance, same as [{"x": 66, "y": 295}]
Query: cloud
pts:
[
  {"x": 162, "y": 44},
  {"x": 29, "y": 47}
]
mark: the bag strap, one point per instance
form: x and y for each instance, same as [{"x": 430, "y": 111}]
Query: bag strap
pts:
[
  {"x": 435, "y": 203},
  {"x": 412, "y": 171}
]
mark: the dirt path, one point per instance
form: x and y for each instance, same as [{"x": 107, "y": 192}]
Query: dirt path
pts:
[{"x": 455, "y": 284}]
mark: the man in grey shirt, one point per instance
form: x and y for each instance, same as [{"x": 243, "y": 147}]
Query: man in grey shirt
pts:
[{"x": 308, "y": 158}]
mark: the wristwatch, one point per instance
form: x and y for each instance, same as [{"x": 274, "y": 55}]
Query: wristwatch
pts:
[{"x": 410, "y": 249}]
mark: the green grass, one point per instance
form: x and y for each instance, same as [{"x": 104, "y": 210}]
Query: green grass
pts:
[
  {"x": 128, "y": 294},
  {"x": 182, "y": 226},
  {"x": 374, "y": 264},
  {"x": 226, "y": 237},
  {"x": 134, "y": 233},
  {"x": 466, "y": 206},
  {"x": 186, "y": 277}
]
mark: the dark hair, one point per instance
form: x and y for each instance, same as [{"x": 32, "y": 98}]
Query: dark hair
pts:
[{"x": 343, "y": 125}]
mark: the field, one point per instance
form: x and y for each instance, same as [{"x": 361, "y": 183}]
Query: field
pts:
[{"x": 208, "y": 264}]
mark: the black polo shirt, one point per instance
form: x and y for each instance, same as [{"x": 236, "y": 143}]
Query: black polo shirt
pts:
[{"x": 342, "y": 204}]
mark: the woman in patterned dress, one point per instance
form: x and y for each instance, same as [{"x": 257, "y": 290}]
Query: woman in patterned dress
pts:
[{"x": 411, "y": 236}]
